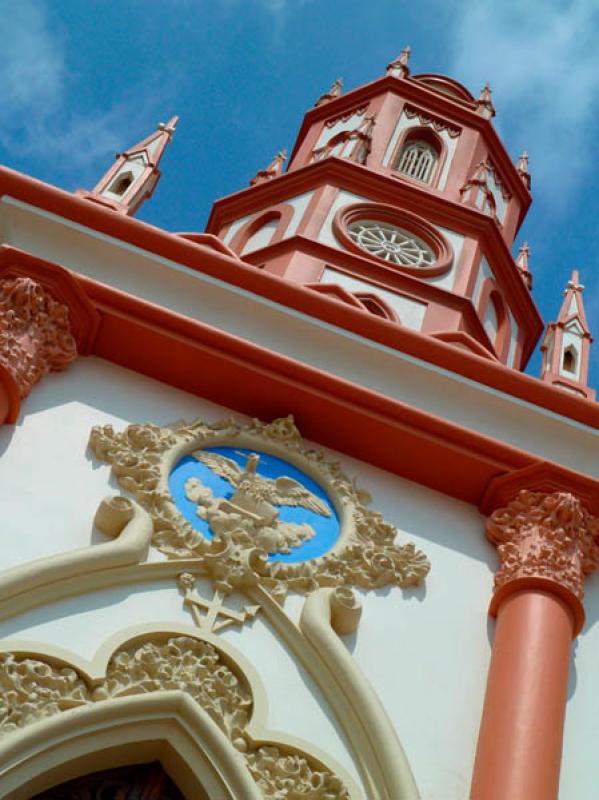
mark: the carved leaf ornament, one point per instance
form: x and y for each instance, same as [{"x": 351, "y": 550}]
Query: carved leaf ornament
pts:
[
  {"x": 549, "y": 536},
  {"x": 32, "y": 689},
  {"x": 301, "y": 526},
  {"x": 35, "y": 333}
]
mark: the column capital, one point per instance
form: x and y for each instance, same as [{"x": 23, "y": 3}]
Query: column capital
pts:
[
  {"x": 35, "y": 333},
  {"x": 546, "y": 541},
  {"x": 46, "y": 319}
]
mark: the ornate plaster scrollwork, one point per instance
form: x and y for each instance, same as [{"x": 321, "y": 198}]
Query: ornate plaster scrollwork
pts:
[
  {"x": 33, "y": 689},
  {"x": 548, "y": 536},
  {"x": 246, "y": 527},
  {"x": 35, "y": 332},
  {"x": 212, "y": 615}
]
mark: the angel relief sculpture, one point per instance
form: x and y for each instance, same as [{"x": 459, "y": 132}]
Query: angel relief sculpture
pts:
[{"x": 254, "y": 500}]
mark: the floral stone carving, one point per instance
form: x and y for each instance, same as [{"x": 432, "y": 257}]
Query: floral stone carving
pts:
[
  {"x": 246, "y": 529},
  {"x": 549, "y": 536},
  {"x": 35, "y": 334},
  {"x": 32, "y": 689}
]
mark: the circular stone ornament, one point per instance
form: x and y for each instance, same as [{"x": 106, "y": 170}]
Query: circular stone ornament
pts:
[
  {"x": 391, "y": 243},
  {"x": 394, "y": 238}
]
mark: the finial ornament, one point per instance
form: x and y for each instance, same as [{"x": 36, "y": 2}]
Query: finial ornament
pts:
[
  {"x": 273, "y": 170},
  {"x": 133, "y": 177},
  {"x": 523, "y": 169},
  {"x": 334, "y": 91},
  {"x": 522, "y": 264},
  {"x": 484, "y": 104},
  {"x": 399, "y": 67},
  {"x": 574, "y": 283},
  {"x": 567, "y": 343}
]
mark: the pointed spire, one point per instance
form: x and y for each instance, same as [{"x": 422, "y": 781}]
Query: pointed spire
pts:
[
  {"x": 567, "y": 343},
  {"x": 522, "y": 264},
  {"x": 334, "y": 91},
  {"x": 484, "y": 104},
  {"x": 363, "y": 135},
  {"x": 522, "y": 168},
  {"x": 366, "y": 127},
  {"x": 399, "y": 68},
  {"x": 273, "y": 170},
  {"x": 133, "y": 177}
]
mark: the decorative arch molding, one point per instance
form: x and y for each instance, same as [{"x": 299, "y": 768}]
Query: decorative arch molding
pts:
[
  {"x": 490, "y": 294},
  {"x": 365, "y": 301},
  {"x": 375, "y": 304},
  {"x": 283, "y": 212},
  {"x": 444, "y": 85},
  {"x": 191, "y": 701},
  {"x": 406, "y": 220}
]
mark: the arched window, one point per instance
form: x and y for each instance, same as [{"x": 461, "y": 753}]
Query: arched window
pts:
[
  {"x": 262, "y": 235},
  {"x": 121, "y": 183},
  {"x": 376, "y": 305},
  {"x": 569, "y": 360},
  {"x": 419, "y": 155},
  {"x": 418, "y": 159}
]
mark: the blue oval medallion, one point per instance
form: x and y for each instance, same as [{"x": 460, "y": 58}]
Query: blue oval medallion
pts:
[{"x": 323, "y": 521}]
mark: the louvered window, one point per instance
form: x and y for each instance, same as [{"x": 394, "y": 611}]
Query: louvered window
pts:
[{"x": 418, "y": 159}]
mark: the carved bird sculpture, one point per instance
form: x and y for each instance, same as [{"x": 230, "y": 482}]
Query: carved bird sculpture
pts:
[{"x": 252, "y": 487}]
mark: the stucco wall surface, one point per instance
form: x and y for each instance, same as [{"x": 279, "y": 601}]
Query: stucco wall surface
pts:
[{"x": 424, "y": 650}]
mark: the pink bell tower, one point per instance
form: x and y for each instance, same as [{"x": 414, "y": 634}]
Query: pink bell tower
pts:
[{"x": 400, "y": 200}]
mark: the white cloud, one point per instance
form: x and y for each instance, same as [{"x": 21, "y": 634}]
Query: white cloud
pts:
[
  {"x": 542, "y": 60},
  {"x": 34, "y": 119}
]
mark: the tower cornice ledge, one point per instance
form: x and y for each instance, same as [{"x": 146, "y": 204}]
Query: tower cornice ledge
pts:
[{"x": 37, "y": 199}]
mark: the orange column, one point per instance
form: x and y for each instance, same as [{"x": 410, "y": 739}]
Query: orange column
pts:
[
  {"x": 520, "y": 742},
  {"x": 546, "y": 544}
]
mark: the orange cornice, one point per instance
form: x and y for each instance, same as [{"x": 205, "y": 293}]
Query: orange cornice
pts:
[
  {"x": 311, "y": 303},
  {"x": 203, "y": 360},
  {"x": 540, "y": 477},
  {"x": 432, "y": 101}
]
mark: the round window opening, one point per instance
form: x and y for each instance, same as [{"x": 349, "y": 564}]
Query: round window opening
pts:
[{"x": 391, "y": 243}]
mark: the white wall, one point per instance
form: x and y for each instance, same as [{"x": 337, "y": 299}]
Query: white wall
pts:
[
  {"x": 425, "y": 650},
  {"x": 49, "y": 491}
]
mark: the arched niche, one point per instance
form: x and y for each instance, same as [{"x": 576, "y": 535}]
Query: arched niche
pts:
[
  {"x": 420, "y": 155},
  {"x": 164, "y": 726}
]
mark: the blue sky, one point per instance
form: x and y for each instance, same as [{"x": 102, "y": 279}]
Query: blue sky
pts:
[{"x": 82, "y": 79}]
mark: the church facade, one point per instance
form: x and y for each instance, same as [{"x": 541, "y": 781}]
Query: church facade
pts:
[{"x": 283, "y": 516}]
